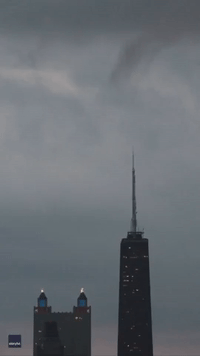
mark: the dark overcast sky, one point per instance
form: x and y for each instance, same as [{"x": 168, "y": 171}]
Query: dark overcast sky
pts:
[{"x": 81, "y": 82}]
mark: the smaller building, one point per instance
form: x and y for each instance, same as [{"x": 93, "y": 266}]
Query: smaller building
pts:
[{"x": 74, "y": 328}]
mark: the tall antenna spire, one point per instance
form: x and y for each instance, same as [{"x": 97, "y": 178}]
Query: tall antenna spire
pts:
[{"x": 134, "y": 218}]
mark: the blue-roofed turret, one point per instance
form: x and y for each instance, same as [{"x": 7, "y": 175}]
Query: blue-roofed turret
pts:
[
  {"x": 42, "y": 300},
  {"x": 82, "y": 299}
]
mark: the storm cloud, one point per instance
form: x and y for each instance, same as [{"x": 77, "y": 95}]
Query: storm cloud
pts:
[
  {"x": 146, "y": 26},
  {"x": 165, "y": 24},
  {"x": 66, "y": 138}
]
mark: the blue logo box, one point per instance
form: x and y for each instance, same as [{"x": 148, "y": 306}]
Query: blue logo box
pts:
[{"x": 14, "y": 341}]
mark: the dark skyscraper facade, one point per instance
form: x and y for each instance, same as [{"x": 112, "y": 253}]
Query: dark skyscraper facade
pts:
[
  {"x": 134, "y": 323},
  {"x": 74, "y": 328},
  {"x": 49, "y": 344}
]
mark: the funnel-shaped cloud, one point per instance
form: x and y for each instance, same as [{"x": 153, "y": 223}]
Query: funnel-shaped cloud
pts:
[{"x": 165, "y": 26}]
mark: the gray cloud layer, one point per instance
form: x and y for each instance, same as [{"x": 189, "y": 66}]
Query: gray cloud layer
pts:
[
  {"x": 65, "y": 154},
  {"x": 153, "y": 25},
  {"x": 101, "y": 16}
]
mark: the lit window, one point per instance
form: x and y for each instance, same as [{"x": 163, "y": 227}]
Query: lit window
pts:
[
  {"x": 42, "y": 303},
  {"x": 82, "y": 303}
]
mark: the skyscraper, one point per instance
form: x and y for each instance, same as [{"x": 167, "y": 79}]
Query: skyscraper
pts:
[
  {"x": 134, "y": 319},
  {"x": 74, "y": 328}
]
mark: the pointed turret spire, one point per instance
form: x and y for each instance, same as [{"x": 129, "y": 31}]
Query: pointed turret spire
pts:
[
  {"x": 134, "y": 212},
  {"x": 42, "y": 300},
  {"x": 82, "y": 299}
]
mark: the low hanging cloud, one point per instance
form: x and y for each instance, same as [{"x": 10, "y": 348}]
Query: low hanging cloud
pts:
[
  {"x": 166, "y": 26},
  {"x": 146, "y": 27}
]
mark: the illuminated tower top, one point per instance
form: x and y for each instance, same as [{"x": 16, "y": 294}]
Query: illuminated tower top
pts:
[
  {"x": 42, "y": 304},
  {"x": 42, "y": 300},
  {"x": 82, "y": 299}
]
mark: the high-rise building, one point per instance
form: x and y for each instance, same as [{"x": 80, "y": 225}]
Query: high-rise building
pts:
[
  {"x": 134, "y": 319},
  {"x": 74, "y": 328}
]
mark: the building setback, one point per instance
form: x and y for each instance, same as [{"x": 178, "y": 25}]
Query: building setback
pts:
[
  {"x": 74, "y": 328},
  {"x": 134, "y": 318}
]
